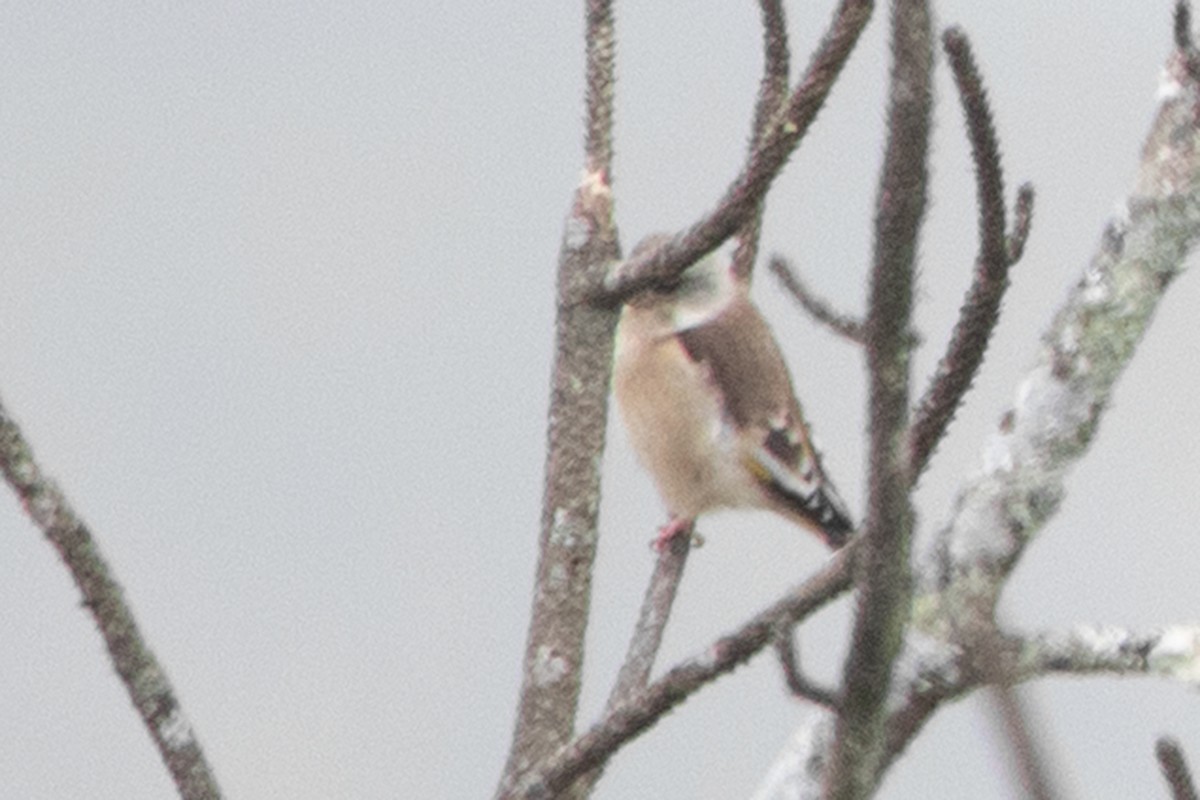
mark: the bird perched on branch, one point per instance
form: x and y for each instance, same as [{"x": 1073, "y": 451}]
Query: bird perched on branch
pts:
[{"x": 708, "y": 402}]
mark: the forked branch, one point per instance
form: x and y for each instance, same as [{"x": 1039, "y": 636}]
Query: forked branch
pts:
[
  {"x": 764, "y": 164},
  {"x": 998, "y": 250},
  {"x": 883, "y": 578},
  {"x": 636, "y": 715}
]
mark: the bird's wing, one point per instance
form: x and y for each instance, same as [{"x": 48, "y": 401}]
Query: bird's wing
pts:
[{"x": 750, "y": 377}]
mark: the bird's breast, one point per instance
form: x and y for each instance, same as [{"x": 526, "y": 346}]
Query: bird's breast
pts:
[{"x": 677, "y": 426}]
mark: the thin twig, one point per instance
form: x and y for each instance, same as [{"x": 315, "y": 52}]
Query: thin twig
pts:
[
  {"x": 652, "y": 620},
  {"x": 991, "y": 659},
  {"x": 601, "y": 44},
  {"x": 144, "y": 678},
  {"x": 797, "y": 682},
  {"x": 985, "y": 149},
  {"x": 1183, "y": 25},
  {"x": 772, "y": 90},
  {"x": 1184, "y": 42},
  {"x": 764, "y": 164},
  {"x": 1027, "y": 754},
  {"x": 633, "y": 717},
  {"x": 773, "y": 86},
  {"x": 981, "y": 308},
  {"x": 1175, "y": 769},
  {"x": 647, "y": 635},
  {"x": 1022, "y": 221},
  {"x": 883, "y": 576},
  {"x": 818, "y": 308}
]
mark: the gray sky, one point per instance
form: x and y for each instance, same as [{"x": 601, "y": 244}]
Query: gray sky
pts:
[{"x": 277, "y": 314}]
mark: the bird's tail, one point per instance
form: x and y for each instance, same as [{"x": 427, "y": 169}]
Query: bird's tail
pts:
[{"x": 810, "y": 499}]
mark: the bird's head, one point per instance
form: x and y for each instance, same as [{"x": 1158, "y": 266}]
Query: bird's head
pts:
[{"x": 694, "y": 297}]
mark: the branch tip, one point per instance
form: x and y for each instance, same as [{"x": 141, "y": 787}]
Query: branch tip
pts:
[
  {"x": 1183, "y": 25},
  {"x": 818, "y": 308},
  {"x": 998, "y": 251},
  {"x": 1022, "y": 223},
  {"x": 1175, "y": 769}
]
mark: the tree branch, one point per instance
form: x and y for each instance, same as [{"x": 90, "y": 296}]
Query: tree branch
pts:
[
  {"x": 1027, "y": 755},
  {"x": 553, "y": 665},
  {"x": 647, "y": 635},
  {"x": 1087, "y": 347},
  {"x": 601, "y": 45},
  {"x": 1022, "y": 220},
  {"x": 936, "y": 674},
  {"x": 1171, "y": 652},
  {"x": 981, "y": 308},
  {"x": 1030, "y": 760},
  {"x": 798, "y": 684},
  {"x": 772, "y": 89},
  {"x": 1184, "y": 42},
  {"x": 883, "y": 575},
  {"x": 652, "y": 621},
  {"x": 842, "y": 324},
  {"x": 144, "y": 678},
  {"x": 1175, "y": 769},
  {"x": 636, "y": 715},
  {"x": 764, "y": 164}
]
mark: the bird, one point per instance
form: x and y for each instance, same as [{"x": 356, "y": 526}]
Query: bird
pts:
[{"x": 708, "y": 403}]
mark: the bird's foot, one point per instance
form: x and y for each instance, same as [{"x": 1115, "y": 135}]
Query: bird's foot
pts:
[{"x": 678, "y": 526}]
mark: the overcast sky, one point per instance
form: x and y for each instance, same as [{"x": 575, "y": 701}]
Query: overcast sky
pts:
[{"x": 276, "y": 311}]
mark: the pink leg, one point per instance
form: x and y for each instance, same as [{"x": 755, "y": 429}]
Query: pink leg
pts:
[{"x": 678, "y": 526}]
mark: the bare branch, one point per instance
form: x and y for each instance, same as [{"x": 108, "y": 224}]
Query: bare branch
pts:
[
  {"x": 1027, "y": 755},
  {"x": 1022, "y": 221},
  {"x": 931, "y": 672},
  {"x": 633, "y": 717},
  {"x": 819, "y": 309},
  {"x": 553, "y": 665},
  {"x": 981, "y": 308},
  {"x": 985, "y": 149},
  {"x": 986, "y": 657},
  {"x": 1184, "y": 43},
  {"x": 797, "y": 682},
  {"x": 1172, "y": 652},
  {"x": 1084, "y": 352},
  {"x": 144, "y": 678},
  {"x": 652, "y": 620},
  {"x": 993, "y": 660},
  {"x": 772, "y": 89},
  {"x": 647, "y": 634},
  {"x": 742, "y": 198},
  {"x": 1183, "y": 25},
  {"x": 927, "y": 674},
  {"x": 1175, "y": 769},
  {"x": 883, "y": 575},
  {"x": 601, "y": 45},
  {"x": 1086, "y": 349}
]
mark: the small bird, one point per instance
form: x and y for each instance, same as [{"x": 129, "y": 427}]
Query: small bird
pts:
[{"x": 708, "y": 402}]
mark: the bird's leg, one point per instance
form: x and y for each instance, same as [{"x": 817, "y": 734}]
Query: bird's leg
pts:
[{"x": 678, "y": 526}]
